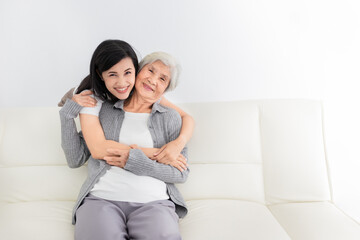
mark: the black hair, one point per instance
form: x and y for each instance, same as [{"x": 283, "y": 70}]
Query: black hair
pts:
[{"x": 106, "y": 55}]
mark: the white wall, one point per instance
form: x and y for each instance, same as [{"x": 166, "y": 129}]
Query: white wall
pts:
[{"x": 229, "y": 50}]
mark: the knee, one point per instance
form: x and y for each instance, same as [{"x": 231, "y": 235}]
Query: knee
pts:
[
  {"x": 162, "y": 230},
  {"x": 96, "y": 220},
  {"x": 165, "y": 234}
]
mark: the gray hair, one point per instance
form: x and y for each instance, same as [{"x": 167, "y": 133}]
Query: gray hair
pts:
[{"x": 169, "y": 61}]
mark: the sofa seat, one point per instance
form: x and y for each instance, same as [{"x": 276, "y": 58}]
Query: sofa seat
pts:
[
  {"x": 315, "y": 220},
  {"x": 36, "y": 220},
  {"x": 213, "y": 219}
]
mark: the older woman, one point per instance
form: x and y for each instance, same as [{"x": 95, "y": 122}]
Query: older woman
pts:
[{"x": 130, "y": 196}]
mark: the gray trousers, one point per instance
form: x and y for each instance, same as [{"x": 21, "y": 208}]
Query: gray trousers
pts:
[{"x": 100, "y": 219}]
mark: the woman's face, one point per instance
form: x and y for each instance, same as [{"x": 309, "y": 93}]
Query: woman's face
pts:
[
  {"x": 152, "y": 81},
  {"x": 120, "y": 78}
]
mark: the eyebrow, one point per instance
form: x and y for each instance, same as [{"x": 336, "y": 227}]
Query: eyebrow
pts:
[
  {"x": 124, "y": 70},
  {"x": 164, "y": 76}
]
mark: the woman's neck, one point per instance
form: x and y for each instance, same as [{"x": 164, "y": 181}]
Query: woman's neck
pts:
[{"x": 137, "y": 104}]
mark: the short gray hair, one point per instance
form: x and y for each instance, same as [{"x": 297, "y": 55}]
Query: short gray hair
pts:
[{"x": 169, "y": 61}]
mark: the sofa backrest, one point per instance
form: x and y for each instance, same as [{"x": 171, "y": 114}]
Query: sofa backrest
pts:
[
  {"x": 268, "y": 151},
  {"x": 32, "y": 163}
]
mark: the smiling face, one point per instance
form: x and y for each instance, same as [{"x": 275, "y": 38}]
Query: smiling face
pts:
[
  {"x": 120, "y": 78},
  {"x": 152, "y": 81}
]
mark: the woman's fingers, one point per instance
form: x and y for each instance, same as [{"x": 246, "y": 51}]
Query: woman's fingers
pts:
[
  {"x": 117, "y": 155},
  {"x": 181, "y": 163},
  {"x": 86, "y": 93},
  {"x": 182, "y": 159},
  {"x": 160, "y": 150},
  {"x": 116, "y": 164},
  {"x": 85, "y": 99},
  {"x": 114, "y": 151},
  {"x": 178, "y": 167},
  {"x": 112, "y": 159}
]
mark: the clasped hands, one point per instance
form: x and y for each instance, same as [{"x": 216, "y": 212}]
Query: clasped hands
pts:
[{"x": 168, "y": 154}]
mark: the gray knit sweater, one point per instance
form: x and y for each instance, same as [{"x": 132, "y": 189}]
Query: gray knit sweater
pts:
[{"x": 164, "y": 125}]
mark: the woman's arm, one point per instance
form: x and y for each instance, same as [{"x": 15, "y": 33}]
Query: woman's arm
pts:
[
  {"x": 95, "y": 138},
  {"x": 72, "y": 142},
  {"x": 170, "y": 151},
  {"x": 188, "y": 122}
]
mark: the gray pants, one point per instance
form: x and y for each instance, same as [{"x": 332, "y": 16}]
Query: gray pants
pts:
[{"x": 100, "y": 219}]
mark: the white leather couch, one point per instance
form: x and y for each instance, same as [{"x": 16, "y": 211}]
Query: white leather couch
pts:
[{"x": 258, "y": 171}]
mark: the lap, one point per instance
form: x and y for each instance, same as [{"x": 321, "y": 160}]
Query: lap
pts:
[
  {"x": 99, "y": 219},
  {"x": 154, "y": 220}
]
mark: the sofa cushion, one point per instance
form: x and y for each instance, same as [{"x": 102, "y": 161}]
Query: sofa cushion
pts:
[
  {"x": 30, "y": 136},
  {"x": 225, "y": 152},
  {"x": 39, "y": 183},
  {"x": 36, "y": 220},
  {"x": 230, "y": 219},
  {"x": 317, "y": 220},
  {"x": 242, "y": 181},
  {"x": 293, "y": 151}
]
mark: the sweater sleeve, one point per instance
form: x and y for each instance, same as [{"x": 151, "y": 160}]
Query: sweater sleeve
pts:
[
  {"x": 72, "y": 142},
  {"x": 139, "y": 164}
]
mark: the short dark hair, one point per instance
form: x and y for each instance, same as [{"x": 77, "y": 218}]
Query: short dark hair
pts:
[{"x": 106, "y": 55}]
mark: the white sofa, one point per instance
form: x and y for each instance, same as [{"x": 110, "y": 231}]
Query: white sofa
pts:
[{"x": 258, "y": 171}]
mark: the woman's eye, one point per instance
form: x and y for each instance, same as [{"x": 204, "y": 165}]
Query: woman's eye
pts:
[
  {"x": 112, "y": 75},
  {"x": 127, "y": 73}
]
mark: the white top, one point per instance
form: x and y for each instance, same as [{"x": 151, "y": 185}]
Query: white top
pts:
[{"x": 118, "y": 184}]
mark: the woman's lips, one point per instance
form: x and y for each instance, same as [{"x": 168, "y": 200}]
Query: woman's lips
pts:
[
  {"x": 147, "y": 87},
  {"x": 122, "y": 90}
]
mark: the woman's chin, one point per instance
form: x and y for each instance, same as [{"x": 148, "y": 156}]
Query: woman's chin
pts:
[{"x": 122, "y": 96}]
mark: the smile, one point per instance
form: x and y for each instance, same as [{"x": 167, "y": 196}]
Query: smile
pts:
[
  {"x": 147, "y": 87},
  {"x": 122, "y": 90}
]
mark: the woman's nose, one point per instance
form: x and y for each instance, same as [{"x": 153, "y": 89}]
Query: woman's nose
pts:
[
  {"x": 120, "y": 80},
  {"x": 151, "y": 81}
]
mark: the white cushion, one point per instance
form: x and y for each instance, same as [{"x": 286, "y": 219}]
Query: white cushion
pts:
[
  {"x": 314, "y": 221},
  {"x": 230, "y": 220},
  {"x": 225, "y": 133},
  {"x": 30, "y": 136},
  {"x": 36, "y": 221},
  {"x": 293, "y": 151},
  {"x": 225, "y": 152},
  {"x": 224, "y": 181},
  {"x": 38, "y": 183}
]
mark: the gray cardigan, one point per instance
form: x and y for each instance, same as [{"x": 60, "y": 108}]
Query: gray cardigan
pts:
[{"x": 164, "y": 125}]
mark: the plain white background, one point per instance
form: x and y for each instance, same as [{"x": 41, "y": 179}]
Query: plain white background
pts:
[{"x": 229, "y": 50}]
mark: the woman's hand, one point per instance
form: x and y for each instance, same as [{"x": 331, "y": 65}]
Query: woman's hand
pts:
[
  {"x": 180, "y": 163},
  {"x": 85, "y": 99},
  {"x": 117, "y": 157},
  {"x": 169, "y": 152}
]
